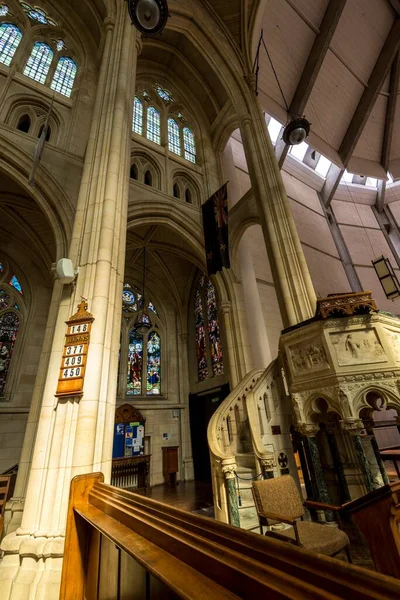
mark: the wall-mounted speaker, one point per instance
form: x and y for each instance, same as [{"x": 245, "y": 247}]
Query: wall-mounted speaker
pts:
[{"x": 148, "y": 16}]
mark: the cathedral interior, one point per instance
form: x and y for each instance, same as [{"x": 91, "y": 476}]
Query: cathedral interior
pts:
[{"x": 168, "y": 406}]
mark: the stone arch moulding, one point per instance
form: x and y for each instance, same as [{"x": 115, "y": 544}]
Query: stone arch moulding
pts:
[
  {"x": 185, "y": 181},
  {"x": 19, "y": 105},
  {"x": 387, "y": 390},
  {"x": 126, "y": 413},
  {"x": 147, "y": 163},
  {"x": 48, "y": 195}
]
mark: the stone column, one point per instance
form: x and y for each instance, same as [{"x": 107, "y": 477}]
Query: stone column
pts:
[
  {"x": 337, "y": 463},
  {"x": 75, "y": 434},
  {"x": 292, "y": 279},
  {"x": 229, "y": 471},
  {"x": 309, "y": 431},
  {"x": 354, "y": 427},
  {"x": 260, "y": 348},
  {"x": 233, "y": 359},
  {"x": 375, "y": 448}
]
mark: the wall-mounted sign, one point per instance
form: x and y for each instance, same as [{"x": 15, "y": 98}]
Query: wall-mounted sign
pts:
[{"x": 73, "y": 363}]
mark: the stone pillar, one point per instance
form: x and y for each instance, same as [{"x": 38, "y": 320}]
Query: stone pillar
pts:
[
  {"x": 375, "y": 448},
  {"x": 229, "y": 471},
  {"x": 292, "y": 279},
  {"x": 309, "y": 431},
  {"x": 75, "y": 434},
  {"x": 233, "y": 359},
  {"x": 354, "y": 427},
  {"x": 260, "y": 348},
  {"x": 337, "y": 463}
]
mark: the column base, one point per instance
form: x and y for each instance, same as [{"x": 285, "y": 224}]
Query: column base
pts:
[
  {"x": 31, "y": 567},
  {"x": 13, "y": 515}
]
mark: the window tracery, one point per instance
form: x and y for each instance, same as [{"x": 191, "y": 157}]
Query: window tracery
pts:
[
  {"x": 16, "y": 284},
  {"x": 37, "y": 14},
  {"x": 207, "y": 331},
  {"x": 137, "y": 123},
  {"x": 164, "y": 94},
  {"x": 153, "y": 125},
  {"x": 143, "y": 375},
  {"x": 39, "y": 62},
  {"x": 9, "y": 322},
  {"x": 174, "y": 140},
  {"x": 10, "y": 37},
  {"x": 189, "y": 144},
  {"x": 64, "y": 76},
  {"x": 4, "y": 10}
]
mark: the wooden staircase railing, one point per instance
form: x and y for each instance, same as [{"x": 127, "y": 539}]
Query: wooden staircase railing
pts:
[{"x": 122, "y": 545}]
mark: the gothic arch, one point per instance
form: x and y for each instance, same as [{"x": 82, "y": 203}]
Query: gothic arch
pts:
[
  {"x": 147, "y": 163},
  {"x": 21, "y": 104}
]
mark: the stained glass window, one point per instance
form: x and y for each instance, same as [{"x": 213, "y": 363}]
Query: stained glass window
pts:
[
  {"x": 64, "y": 76},
  {"x": 16, "y": 284},
  {"x": 189, "y": 145},
  {"x": 135, "y": 363},
  {"x": 153, "y": 308},
  {"x": 202, "y": 369},
  {"x": 3, "y": 10},
  {"x": 39, "y": 62},
  {"x": 9, "y": 324},
  {"x": 164, "y": 94},
  {"x": 137, "y": 123},
  {"x": 4, "y": 299},
  {"x": 37, "y": 14},
  {"x": 208, "y": 340},
  {"x": 60, "y": 44},
  {"x": 1, "y": 267},
  {"x": 153, "y": 385},
  {"x": 213, "y": 331},
  {"x": 16, "y": 306},
  {"x": 153, "y": 125},
  {"x": 10, "y": 37},
  {"x": 174, "y": 140}
]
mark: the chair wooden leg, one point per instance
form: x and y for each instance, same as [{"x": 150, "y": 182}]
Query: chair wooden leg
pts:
[{"x": 348, "y": 554}]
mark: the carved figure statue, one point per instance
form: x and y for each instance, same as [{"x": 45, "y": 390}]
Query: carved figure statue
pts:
[{"x": 352, "y": 346}]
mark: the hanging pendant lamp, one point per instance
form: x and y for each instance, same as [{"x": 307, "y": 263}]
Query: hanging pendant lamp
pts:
[{"x": 143, "y": 322}]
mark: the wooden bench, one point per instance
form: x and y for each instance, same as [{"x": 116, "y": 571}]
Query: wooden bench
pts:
[{"x": 121, "y": 545}]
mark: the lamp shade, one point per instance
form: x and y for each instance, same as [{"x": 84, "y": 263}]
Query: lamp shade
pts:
[
  {"x": 387, "y": 277},
  {"x": 148, "y": 16},
  {"x": 142, "y": 322},
  {"x": 296, "y": 131}
]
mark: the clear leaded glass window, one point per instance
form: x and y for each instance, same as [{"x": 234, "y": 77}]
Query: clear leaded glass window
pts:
[
  {"x": 153, "y": 125},
  {"x": 164, "y": 94},
  {"x": 37, "y": 14},
  {"x": 64, "y": 76},
  {"x": 10, "y": 37},
  {"x": 208, "y": 340},
  {"x": 174, "y": 140},
  {"x": 3, "y": 10},
  {"x": 189, "y": 144},
  {"x": 137, "y": 123},
  {"x": 39, "y": 62}
]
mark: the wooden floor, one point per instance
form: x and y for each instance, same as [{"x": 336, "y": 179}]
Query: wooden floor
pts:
[{"x": 193, "y": 496}]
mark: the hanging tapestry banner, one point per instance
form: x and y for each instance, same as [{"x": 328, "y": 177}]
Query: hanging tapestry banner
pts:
[{"x": 215, "y": 226}]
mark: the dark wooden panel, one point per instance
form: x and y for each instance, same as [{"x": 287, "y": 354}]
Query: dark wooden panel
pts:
[
  {"x": 93, "y": 565},
  {"x": 159, "y": 591},
  {"x": 132, "y": 579},
  {"x": 109, "y": 570}
]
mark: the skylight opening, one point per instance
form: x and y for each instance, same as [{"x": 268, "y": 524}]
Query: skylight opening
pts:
[
  {"x": 299, "y": 150},
  {"x": 274, "y": 128},
  {"x": 323, "y": 166},
  {"x": 347, "y": 177},
  {"x": 372, "y": 182}
]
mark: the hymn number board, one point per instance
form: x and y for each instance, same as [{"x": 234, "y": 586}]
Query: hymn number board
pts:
[{"x": 73, "y": 364}]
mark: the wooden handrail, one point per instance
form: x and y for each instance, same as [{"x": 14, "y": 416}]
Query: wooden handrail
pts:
[{"x": 116, "y": 539}]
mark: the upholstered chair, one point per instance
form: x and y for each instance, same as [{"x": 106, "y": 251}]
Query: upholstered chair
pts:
[{"x": 278, "y": 499}]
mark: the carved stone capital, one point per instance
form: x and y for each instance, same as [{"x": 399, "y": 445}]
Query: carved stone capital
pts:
[
  {"x": 352, "y": 426},
  {"x": 267, "y": 464},
  {"x": 229, "y": 471},
  {"x": 307, "y": 429},
  {"x": 251, "y": 80}
]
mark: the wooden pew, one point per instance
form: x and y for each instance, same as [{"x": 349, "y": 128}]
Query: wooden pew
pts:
[
  {"x": 377, "y": 514},
  {"x": 120, "y": 545}
]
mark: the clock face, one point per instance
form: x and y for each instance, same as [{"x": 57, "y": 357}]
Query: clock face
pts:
[{"x": 128, "y": 297}]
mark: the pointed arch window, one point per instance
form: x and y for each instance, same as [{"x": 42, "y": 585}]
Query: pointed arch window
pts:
[
  {"x": 208, "y": 338},
  {"x": 144, "y": 364},
  {"x": 135, "y": 363},
  {"x": 64, "y": 76},
  {"x": 137, "y": 123},
  {"x": 153, "y": 380},
  {"x": 39, "y": 62},
  {"x": 9, "y": 325},
  {"x": 174, "y": 139},
  {"x": 189, "y": 144},
  {"x": 153, "y": 125},
  {"x": 10, "y": 37}
]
